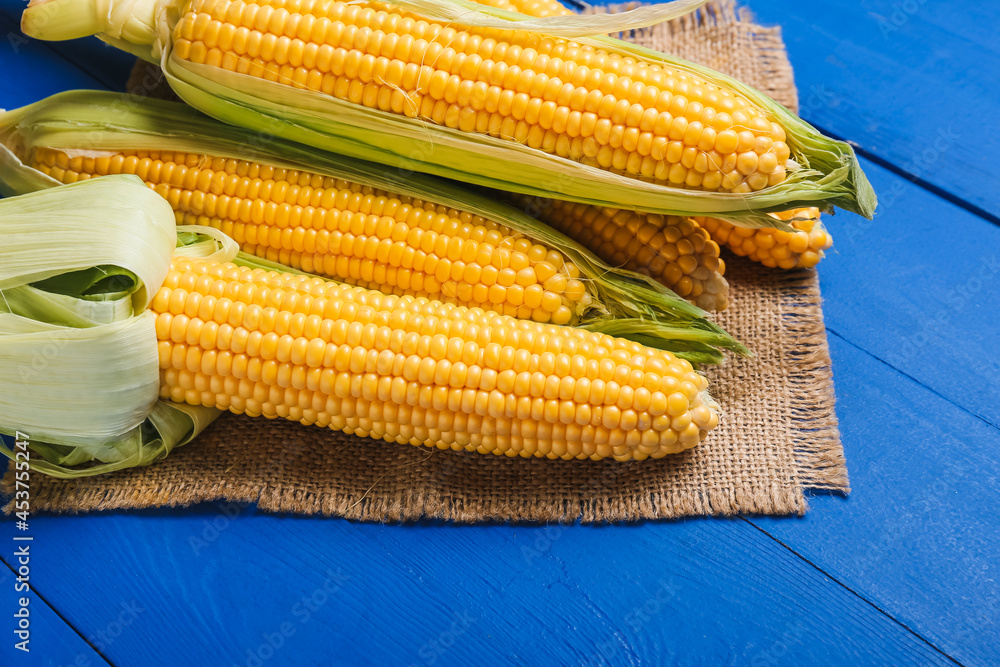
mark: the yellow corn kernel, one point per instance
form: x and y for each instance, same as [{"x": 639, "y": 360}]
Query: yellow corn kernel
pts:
[
  {"x": 673, "y": 250},
  {"x": 539, "y": 8}
]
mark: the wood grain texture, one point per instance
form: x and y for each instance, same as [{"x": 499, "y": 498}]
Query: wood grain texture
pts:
[
  {"x": 897, "y": 77},
  {"x": 919, "y": 287},
  {"x": 52, "y": 641},
  {"x": 450, "y": 595},
  {"x": 32, "y": 70},
  {"x": 106, "y": 66},
  {"x": 919, "y": 534}
]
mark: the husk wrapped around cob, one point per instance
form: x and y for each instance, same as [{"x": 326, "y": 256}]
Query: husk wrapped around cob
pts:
[
  {"x": 309, "y": 70},
  {"x": 126, "y": 309},
  {"x": 71, "y": 306},
  {"x": 89, "y": 125}
]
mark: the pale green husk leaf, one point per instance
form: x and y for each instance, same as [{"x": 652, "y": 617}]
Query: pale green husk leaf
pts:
[{"x": 78, "y": 355}]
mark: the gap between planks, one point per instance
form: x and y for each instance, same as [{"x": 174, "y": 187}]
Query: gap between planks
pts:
[
  {"x": 874, "y": 356},
  {"x": 41, "y": 598},
  {"x": 910, "y": 177},
  {"x": 850, "y": 590}
]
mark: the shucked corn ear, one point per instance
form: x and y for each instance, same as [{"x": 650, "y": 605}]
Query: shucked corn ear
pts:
[
  {"x": 412, "y": 370},
  {"x": 800, "y": 248},
  {"x": 498, "y": 88},
  {"x": 368, "y": 241},
  {"x": 346, "y": 230},
  {"x": 449, "y": 87},
  {"x": 218, "y": 336},
  {"x": 357, "y": 222},
  {"x": 673, "y": 250}
]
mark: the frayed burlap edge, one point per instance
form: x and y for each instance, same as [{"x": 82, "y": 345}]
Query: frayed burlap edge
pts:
[{"x": 818, "y": 450}]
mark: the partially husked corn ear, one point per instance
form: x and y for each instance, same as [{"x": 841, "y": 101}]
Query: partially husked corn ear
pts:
[
  {"x": 554, "y": 95},
  {"x": 354, "y": 233},
  {"x": 539, "y": 8},
  {"x": 352, "y": 220},
  {"x": 674, "y": 250},
  {"x": 411, "y": 370},
  {"x": 485, "y": 96},
  {"x": 802, "y": 248}
]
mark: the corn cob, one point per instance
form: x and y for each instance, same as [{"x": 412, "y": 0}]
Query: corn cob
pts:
[
  {"x": 515, "y": 109},
  {"x": 671, "y": 249},
  {"x": 357, "y": 234},
  {"x": 801, "y": 248},
  {"x": 533, "y": 281},
  {"x": 671, "y": 127},
  {"x": 411, "y": 370},
  {"x": 346, "y": 219}
]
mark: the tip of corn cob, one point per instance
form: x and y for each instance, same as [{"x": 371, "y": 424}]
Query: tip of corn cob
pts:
[
  {"x": 715, "y": 294},
  {"x": 672, "y": 250},
  {"x": 802, "y": 247}
]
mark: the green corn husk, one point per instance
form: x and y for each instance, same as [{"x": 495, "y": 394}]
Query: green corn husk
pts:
[
  {"x": 826, "y": 172},
  {"x": 80, "y": 264},
  {"x": 90, "y": 123}
]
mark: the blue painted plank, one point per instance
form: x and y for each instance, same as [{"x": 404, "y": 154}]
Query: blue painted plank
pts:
[
  {"x": 246, "y": 587},
  {"x": 32, "y": 70},
  {"x": 107, "y": 66},
  {"x": 50, "y": 641},
  {"x": 918, "y": 287},
  {"x": 919, "y": 534},
  {"x": 915, "y": 83}
]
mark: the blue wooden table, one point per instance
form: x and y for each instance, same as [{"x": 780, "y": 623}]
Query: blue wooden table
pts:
[{"x": 904, "y": 571}]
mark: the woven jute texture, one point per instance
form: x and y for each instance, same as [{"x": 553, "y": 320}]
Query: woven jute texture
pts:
[{"x": 778, "y": 435}]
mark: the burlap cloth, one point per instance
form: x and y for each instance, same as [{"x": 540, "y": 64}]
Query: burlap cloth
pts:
[{"x": 778, "y": 435}]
